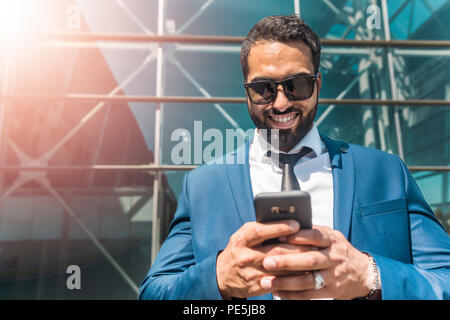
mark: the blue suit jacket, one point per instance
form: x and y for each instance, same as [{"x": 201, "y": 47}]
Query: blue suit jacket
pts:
[{"x": 377, "y": 206}]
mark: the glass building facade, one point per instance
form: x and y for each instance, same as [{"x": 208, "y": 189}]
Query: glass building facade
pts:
[{"x": 95, "y": 95}]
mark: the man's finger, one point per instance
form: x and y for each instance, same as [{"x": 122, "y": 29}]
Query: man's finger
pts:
[
  {"x": 298, "y": 282},
  {"x": 317, "y": 236},
  {"x": 288, "y": 283},
  {"x": 283, "y": 248},
  {"x": 305, "y": 261},
  {"x": 254, "y": 233}
]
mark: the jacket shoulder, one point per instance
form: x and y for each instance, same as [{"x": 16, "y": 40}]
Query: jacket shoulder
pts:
[
  {"x": 369, "y": 152},
  {"x": 216, "y": 170},
  {"x": 359, "y": 151}
]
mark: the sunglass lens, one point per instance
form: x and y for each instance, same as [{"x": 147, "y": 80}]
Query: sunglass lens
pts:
[
  {"x": 300, "y": 88},
  {"x": 261, "y": 92}
]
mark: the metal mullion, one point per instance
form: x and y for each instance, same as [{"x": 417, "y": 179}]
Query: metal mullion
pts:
[
  {"x": 297, "y": 10},
  {"x": 393, "y": 85},
  {"x": 429, "y": 168},
  {"x": 156, "y": 222},
  {"x": 139, "y": 38},
  {"x": 422, "y": 52},
  {"x": 208, "y": 100},
  {"x": 236, "y": 49}
]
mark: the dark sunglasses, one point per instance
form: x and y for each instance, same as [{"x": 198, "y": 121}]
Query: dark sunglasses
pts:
[{"x": 295, "y": 88}]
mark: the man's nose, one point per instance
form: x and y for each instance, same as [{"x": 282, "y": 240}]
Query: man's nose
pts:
[{"x": 281, "y": 103}]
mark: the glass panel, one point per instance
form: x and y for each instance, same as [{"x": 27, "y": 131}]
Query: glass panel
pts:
[
  {"x": 221, "y": 17},
  {"x": 344, "y": 19},
  {"x": 330, "y": 19},
  {"x": 21, "y": 17},
  {"x": 125, "y": 16},
  {"x": 370, "y": 126},
  {"x": 435, "y": 188},
  {"x": 4, "y": 59},
  {"x": 40, "y": 236},
  {"x": 79, "y": 134},
  {"x": 200, "y": 71},
  {"x": 60, "y": 69},
  {"x": 175, "y": 181},
  {"x": 442, "y": 212},
  {"x": 447, "y": 186},
  {"x": 354, "y": 73},
  {"x": 426, "y": 135},
  {"x": 417, "y": 19},
  {"x": 432, "y": 187},
  {"x": 422, "y": 74},
  {"x": 44, "y": 230}
]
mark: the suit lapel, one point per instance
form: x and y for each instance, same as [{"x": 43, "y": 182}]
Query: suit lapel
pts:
[
  {"x": 239, "y": 179},
  {"x": 343, "y": 169}
]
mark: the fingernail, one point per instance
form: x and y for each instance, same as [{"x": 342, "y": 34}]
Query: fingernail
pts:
[
  {"x": 269, "y": 263},
  {"x": 294, "y": 224},
  {"x": 266, "y": 283}
]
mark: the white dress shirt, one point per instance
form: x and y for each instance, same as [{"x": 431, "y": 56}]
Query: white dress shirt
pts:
[{"x": 313, "y": 172}]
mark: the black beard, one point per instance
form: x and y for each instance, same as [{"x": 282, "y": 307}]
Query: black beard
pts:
[{"x": 286, "y": 138}]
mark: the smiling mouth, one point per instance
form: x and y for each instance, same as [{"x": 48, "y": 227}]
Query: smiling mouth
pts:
[{"x": 283, "y": 120}]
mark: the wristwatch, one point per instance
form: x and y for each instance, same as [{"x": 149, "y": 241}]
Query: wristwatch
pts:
[{"x": 374, "y": 283}]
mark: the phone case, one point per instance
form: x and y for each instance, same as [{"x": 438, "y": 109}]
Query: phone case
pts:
[{"x": 275, "y": 206}]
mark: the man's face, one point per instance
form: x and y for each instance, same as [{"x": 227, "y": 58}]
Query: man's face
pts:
[{"x": 278, "y": 61}]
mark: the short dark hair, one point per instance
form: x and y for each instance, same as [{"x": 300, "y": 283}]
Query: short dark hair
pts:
[{"x": 282, "y": 29}]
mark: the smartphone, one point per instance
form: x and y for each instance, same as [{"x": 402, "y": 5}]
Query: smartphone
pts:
[{"x": 284, "y": 205}]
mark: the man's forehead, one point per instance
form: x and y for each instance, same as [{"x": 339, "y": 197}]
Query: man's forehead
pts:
[
  {"x": 279, "y": 59},
  {"x": 277, "y": 46}
]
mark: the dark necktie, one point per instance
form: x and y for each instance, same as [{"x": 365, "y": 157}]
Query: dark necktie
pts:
[{"x": 287, "y": 162}]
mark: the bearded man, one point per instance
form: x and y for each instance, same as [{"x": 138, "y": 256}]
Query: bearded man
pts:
[{"x": 373, "y": 235}]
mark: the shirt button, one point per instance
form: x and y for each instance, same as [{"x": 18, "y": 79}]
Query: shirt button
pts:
[{"x": 343, "y": 150}]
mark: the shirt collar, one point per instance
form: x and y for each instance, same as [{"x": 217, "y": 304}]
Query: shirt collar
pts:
[{"x": 259, "y": 146}]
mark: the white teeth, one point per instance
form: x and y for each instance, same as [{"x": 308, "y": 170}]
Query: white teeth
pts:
[{"x": 284, "y": 119}]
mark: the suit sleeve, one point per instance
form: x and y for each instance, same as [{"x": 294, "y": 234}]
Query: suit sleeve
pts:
[
  {"x": 175, "y": 274},
  {"x": 428, "y": 276}
]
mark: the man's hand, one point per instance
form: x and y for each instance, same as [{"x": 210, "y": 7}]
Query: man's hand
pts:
[
  {"x": 345, "y": 270},
  {"x": 239, "y": 267}
]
